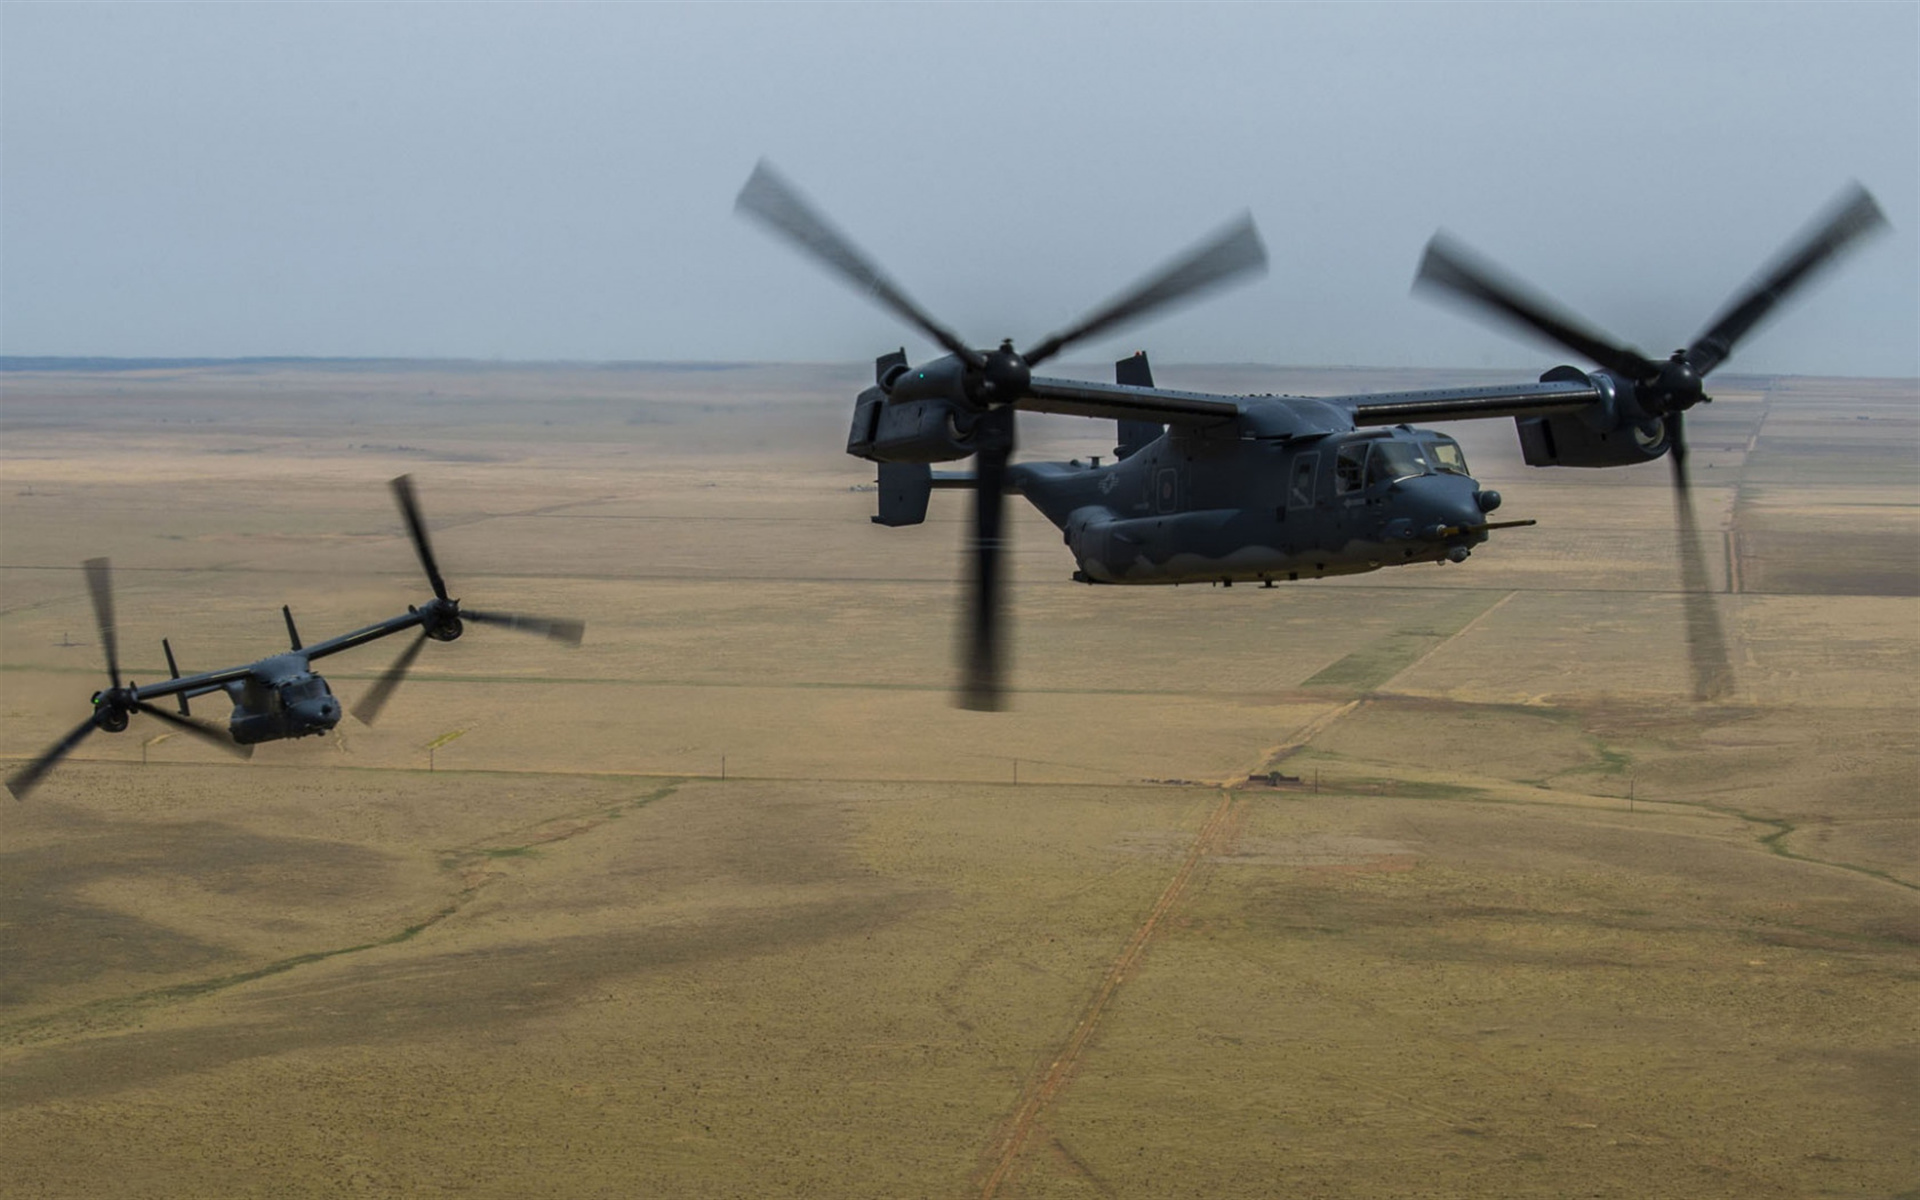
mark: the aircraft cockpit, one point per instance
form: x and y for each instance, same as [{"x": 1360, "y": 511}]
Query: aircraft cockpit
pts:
[
  {"x": 311, "y": 688},
  {"x": 1443, "y": 455},
  {"x": 1365, "y": 464}
]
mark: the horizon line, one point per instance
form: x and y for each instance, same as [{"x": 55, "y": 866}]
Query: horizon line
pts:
[{"x": 27, "y": 363}]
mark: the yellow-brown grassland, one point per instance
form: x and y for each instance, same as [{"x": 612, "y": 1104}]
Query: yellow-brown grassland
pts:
[{"x": 1532, "y": 923}]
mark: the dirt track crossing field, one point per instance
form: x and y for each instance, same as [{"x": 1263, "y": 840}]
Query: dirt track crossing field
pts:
[{"x": 1531, "y": 923}]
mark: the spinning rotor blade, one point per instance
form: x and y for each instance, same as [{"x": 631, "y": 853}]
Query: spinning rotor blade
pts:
[
  {"x": 980, "y": 651},
  {"x": 376, "y": 698},
  {"x": 771, "y": 200},
  {"x": 1233, "y": 251},
  {"x": 1851, "y": 216},
  {"x": 1706, "y": 643},
  {"x": 211, "y": 734},
  {"x": 410, "y": 508},
  {"x": 100, "y": 583},
  {"x": 28, "y": 777},
  {"x": 1450, "y": 267},
  {"x": 560, "y": 629}
]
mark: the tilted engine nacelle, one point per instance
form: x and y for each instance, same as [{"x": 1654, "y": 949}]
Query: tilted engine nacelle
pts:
[
  {"x": 913, "y": 431},
  {"x": 1613, "y": 431},
  {"x": 913, "y": 414}
]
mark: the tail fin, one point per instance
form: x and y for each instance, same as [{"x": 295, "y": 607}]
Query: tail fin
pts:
[
  {"x": 1135, "y": 436},
  {"x": 174, "y": 667}
]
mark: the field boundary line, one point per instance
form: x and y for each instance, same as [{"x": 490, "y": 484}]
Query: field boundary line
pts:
[
  {"x": 1456, "y": 635},
  {"x": 1043, "y": 1090},
  {"x": 1306, "y": 733}
]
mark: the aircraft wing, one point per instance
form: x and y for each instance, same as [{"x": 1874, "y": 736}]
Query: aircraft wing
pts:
[
  {"x": 1469, "y": 403},
  {"x": 360, "y": 637},
  {"x": 192, "y": 685},
  {"x": 1121, "y": 402}
]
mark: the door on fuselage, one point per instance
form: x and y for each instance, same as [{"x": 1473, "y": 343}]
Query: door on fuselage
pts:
[{"x": 1306, "y": 471}]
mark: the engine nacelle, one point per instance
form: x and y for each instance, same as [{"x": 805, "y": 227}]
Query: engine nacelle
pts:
[
  {"x": 1611, "y": 432},
  {"x": 921, "y": 414},
  {"x": 909, "y": 431},
  {"x": 109, "y": 714}
]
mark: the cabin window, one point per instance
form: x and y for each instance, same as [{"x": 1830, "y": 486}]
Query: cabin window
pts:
[
  {"x": 1394, "y": 460},
  {"x": 1350, "y": 469},
  {"x": 1300, "y": 492},
  {"x": 1446, "y": 457}
]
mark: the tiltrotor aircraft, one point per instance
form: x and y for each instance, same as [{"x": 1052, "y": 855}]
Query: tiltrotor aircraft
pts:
[
  {"x": 280, "y": 696},
  {"x": 1212, "y": 488}
]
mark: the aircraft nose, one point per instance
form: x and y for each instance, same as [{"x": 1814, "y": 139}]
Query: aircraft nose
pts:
[
  {"x": 1463, "y": 518},
  {"x": 1447, "y": 506}
]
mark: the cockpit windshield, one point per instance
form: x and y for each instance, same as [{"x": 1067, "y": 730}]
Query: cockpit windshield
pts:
[
  {"x": 309, "y": 688},
  {"x": 1394, "y": 460},
  {"x": 1445, "y": 456}
]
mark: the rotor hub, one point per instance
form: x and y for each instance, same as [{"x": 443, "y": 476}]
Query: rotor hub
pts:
[
  {"x": 1005, "y": 378},
  {"x": 441, "y": 621},
  {"x": 112, "y": 708},
  {"x": 1678, "y": 384}
]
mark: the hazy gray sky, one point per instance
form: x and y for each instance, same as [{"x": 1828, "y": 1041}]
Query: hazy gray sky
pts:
[{"x": 556, "y": 181}]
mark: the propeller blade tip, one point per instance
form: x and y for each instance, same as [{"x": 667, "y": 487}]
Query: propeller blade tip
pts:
[
  {"x": 761, "y": 177},
  {"x": 980, "y": 700}
]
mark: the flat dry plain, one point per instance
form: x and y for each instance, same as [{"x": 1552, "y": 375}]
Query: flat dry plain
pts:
[{"x": 1546, "y": 927}]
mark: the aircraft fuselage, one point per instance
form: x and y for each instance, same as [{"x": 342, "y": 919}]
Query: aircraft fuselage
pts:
[{"x": 1194, "y": 508}]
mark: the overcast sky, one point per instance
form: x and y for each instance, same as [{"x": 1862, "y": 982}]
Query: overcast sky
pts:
[{"x": 556, "y": 181}]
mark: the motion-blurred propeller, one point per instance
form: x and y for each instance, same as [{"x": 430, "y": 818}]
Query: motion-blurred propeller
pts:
[
  {"x": 112, "y": 707},
  {"x": 777, "y": 204},
  {"x": 1706, "y": 643},
  {"x": 442, "y": 618},
  {"x": 368, "y": 709},
  {"x": 1668, "y": 388}
]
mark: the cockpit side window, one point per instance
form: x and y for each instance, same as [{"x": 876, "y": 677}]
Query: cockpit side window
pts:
[
  {"x": 1445, "y": 456},
  {"x": 1350, "y": 469},
  {"x": 1394, "y": 460}
]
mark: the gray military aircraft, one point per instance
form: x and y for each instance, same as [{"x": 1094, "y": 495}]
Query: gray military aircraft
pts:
[
  {"x": 280, "y": 696},
  {"x": 1221, "y": 489}
]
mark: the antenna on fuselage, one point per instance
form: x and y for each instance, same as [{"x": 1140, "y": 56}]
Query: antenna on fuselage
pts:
[{"x": 293, "y": 635}]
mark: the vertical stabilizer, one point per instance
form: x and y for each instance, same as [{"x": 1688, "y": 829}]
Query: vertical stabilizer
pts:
[
  {"x": 904, "y": 488},
  {"x": 175, "y": 668},
  {"x": 1135, "y": 436}
]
